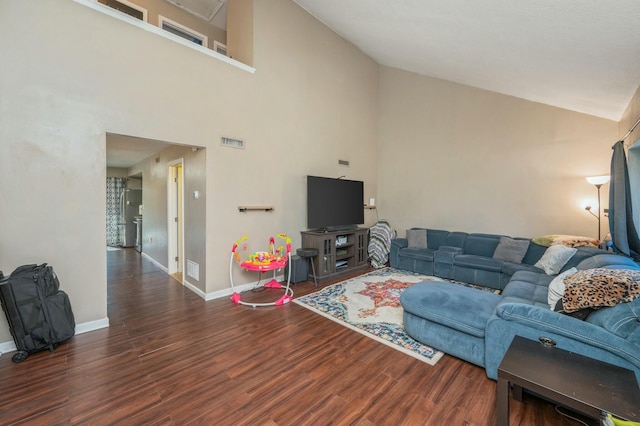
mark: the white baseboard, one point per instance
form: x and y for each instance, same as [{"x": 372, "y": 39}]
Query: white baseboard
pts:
[
  {"x": 227, "y": 292},
  {"x": 194, "y": 289},
  {"x": 104, "y": 322},
  {"x": 239, "y": 288},
  {"x": 155, "y": 262},
  {"x": 80, "y": 328}
]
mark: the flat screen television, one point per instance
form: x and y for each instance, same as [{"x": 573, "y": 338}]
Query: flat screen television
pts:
[{"x": 334, "y": 204}]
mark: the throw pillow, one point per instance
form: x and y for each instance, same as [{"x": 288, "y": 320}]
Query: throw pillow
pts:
[
  {"x": 554, "y": 258},
  {"x": 557, "y": 287},
  {"x": 511, "y": 250},
  {"x": 417, "y": 238}
]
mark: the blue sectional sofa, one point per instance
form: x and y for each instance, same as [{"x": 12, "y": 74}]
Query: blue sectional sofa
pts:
[
  {"x": 469, "y": 257},
  {"x": 478, "y": 326}
]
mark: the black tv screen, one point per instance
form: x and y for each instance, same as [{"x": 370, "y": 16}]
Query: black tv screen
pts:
[{"x": 334, "y": 203}]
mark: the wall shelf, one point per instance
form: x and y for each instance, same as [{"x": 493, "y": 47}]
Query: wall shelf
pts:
[{"x": 244, "y": 209}]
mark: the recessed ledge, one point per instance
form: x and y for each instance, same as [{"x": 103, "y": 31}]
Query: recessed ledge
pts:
[{"x": 99, "y": 7}]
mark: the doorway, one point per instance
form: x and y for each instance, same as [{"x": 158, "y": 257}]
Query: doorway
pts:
[{"x": 175, "y": 219}]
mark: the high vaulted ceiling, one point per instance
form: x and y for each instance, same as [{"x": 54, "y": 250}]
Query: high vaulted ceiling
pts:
[{"x": 582, "y": 55}]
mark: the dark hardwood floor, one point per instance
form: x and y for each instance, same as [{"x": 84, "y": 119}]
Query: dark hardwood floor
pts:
[{"x": 170, "y": 358}]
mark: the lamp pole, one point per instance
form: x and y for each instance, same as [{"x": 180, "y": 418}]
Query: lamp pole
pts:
[
  {"x": 597, "y": 181},
  {"x": 599, "y": 211}
]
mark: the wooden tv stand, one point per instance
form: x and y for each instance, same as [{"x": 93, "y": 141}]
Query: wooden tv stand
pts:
[{"x": 339, "y": 252}]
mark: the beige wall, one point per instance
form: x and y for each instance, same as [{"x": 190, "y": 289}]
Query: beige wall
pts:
[
  {"x": 458, "y": 158},
  {"x": 240, "y": 30},
  {"x": 629, "y": 118},
  {"x": 312, "y": 101},
  {"x": 117, "y": 172}
]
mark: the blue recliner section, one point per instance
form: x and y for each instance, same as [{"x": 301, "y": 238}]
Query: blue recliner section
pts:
[
  {"x": 478, "y": 326},
  {"x": 469, "y": 257}
]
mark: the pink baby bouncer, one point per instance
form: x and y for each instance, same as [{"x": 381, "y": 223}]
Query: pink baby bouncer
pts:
[{"x": 263, "y": 261}]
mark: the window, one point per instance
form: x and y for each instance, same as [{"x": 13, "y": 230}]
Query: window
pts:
[
  {"x": 127, "y": 7},
  {"x": 182, "y": 31}
]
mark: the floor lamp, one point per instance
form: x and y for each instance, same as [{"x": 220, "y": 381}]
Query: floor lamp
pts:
[{"x": 597, "y": 181}]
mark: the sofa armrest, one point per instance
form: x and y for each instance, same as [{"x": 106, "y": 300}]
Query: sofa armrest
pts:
[
  {"x": 399, "y": 243},
  {"x": 545, "y": 320}
]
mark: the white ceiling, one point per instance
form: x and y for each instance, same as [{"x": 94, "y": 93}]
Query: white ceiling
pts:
[
  {"x": 125, "y": 151},
  {"x": 582, "y": 55},
  {"x": 212, "y": 11}
]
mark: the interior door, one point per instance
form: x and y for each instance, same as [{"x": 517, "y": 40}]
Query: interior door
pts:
[{"x": 175, "y": 219}]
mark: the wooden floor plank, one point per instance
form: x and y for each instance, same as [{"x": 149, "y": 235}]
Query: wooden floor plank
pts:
[{"x": 170, "y": 358}]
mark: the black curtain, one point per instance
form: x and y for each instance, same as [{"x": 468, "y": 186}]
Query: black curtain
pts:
[{"x": 623, "y": 231}]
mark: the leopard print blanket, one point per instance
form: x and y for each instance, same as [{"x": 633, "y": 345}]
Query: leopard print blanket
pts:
[{"x": 600, "y": 287}]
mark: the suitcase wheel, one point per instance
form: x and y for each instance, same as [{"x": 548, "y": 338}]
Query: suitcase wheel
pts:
[{"x": 19, "y": 356}]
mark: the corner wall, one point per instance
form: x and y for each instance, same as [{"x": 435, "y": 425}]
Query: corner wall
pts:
[{"x": 458, "y": 158}]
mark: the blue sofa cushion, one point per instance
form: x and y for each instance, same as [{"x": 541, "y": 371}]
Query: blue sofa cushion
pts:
[
  {"x": 481, "y": 244},
  {"x": 511, "y": 268},
  {"x": 622, "y": 320},
  {"x": 420, "y": 254},
  {"x": 455, "y": 239},
  {"x": 462, "y": 308},
  {"x": 608, "y": 260},
  {"x": 583, "y": 253},
  {"x": 478, "y": 262},
  {"x": 529, "y": 288},
  {"x": 436, "y": 238},
  {"x": 534, "y": 253}
]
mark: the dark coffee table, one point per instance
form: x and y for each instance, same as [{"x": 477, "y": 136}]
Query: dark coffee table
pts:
[{"x": 583, "y": 384}]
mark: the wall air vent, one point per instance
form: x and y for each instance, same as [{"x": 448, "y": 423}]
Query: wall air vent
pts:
[
  {"x": 232, "y": 143},
  {"x": 193, "y": 270}
]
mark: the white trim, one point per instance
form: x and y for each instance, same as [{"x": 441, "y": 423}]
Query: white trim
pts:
[
  {"x": 85, "y": 327},
  {"x": 155, "y": 262},
  {"x": 239, "y": 289},
  {"x": 193, "y": 288},
  {"x": 163, "y": 20},
  {"x": 106, "y": 10},
  {"x": 92, "y": 325},
  {"x": 174, "y": 210}
]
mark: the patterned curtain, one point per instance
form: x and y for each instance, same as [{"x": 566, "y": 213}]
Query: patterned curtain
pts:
[{"x": 115, "y": 187}]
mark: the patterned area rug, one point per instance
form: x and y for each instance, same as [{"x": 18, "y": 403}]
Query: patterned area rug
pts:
[{"x": 370, "y": 304}]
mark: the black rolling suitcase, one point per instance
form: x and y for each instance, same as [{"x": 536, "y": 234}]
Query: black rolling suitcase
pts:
[{"x": 38, "y": 312}]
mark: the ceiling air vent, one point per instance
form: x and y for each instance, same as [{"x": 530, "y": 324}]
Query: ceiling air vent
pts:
[
  {"x": 232, "y": 143},
  {"x": 202, "y": 9}
]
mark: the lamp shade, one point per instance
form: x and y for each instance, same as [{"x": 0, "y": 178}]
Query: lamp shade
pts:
[{"x": 598, "y": 180}]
